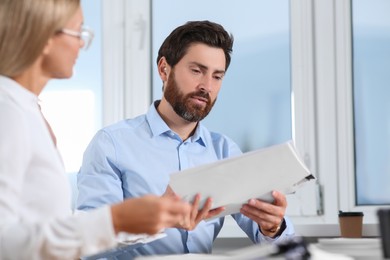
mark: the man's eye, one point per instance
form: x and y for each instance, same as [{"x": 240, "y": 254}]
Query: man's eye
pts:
[{"x": 196, "y": 71}]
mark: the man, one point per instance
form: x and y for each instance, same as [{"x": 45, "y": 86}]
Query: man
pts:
[{"x": 136, "y": 156}]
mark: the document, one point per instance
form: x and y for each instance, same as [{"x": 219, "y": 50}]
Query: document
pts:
[
  {"x": 233, "y": 181},
  {"x": 354, "y": 248}
]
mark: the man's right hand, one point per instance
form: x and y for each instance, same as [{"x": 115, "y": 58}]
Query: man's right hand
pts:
[{"x": 196, "y": 215}]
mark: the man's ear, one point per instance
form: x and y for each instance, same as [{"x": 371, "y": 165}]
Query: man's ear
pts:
[{"x": 163, "y": 69}]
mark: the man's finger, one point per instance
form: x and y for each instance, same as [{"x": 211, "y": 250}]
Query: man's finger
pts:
[{"x": 280, "y": 199}]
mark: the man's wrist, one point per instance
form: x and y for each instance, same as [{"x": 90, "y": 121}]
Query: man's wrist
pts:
[
  {"x": 281, "y": 228},
  {"x": 276, "y": 231}
]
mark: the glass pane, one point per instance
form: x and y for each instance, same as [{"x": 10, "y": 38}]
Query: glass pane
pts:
[
  {"x": 253, "y": 106},
  {"x": 73, "y": 106},
  {"x": 371, "y": 76}
]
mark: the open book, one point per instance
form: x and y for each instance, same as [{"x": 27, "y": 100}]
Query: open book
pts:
[{"x": 233, "y": 181}]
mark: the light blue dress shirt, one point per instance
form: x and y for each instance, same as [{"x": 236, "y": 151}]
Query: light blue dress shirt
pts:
[{"x": 135, "y": 157}]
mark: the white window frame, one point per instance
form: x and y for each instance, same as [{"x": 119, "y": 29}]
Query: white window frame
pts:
[
  {"x": 321, "y": 109},
  {"x": 310, "y": 72},
  {"x": 126, "y": 59},
  {"x": 322, "y": 68}
]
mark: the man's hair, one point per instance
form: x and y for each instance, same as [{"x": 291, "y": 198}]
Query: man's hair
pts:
[
  {"x": 25, "y": 28},
  {"x": 212, "y": 34}
]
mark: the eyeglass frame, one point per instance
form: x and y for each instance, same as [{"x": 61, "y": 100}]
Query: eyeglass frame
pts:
[{"x": 85, "y": 34}]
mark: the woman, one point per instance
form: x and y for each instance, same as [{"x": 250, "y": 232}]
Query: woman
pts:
[{"x": 40, "y": 40}]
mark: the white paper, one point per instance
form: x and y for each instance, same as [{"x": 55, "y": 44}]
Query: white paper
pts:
[
  {"x": 356, "y": 248},
  {"x": 232, "y": 182}
]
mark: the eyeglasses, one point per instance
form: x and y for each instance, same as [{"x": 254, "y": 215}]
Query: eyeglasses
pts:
[{"x": 85, "y": 34}]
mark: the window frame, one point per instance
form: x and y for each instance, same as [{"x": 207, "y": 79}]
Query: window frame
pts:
[
  {"x": 126, "y": 64},
  {"x": 332, "y": 148}
]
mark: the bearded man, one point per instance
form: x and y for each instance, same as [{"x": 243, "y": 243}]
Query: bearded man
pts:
[{"x": 136, "y": 156}]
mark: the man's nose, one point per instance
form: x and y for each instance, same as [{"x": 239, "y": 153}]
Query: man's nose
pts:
[{"x": 206, "y": 83}]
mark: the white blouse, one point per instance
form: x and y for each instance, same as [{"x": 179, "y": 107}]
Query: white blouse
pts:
[{"x": 36, "y": 220}]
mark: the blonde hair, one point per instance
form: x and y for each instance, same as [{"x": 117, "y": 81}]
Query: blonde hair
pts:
[{"x": 25, "y": 28}]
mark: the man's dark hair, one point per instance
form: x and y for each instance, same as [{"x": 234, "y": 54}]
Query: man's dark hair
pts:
[{"x": 212, "y": 34}]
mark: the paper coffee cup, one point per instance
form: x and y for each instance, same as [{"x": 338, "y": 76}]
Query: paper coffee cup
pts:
[{"x": 351, "y": 224}]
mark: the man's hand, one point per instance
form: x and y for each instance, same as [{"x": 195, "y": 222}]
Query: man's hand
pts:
[
  {"x": 192, "y": 219},
  {"x": 268, "y": 216}
]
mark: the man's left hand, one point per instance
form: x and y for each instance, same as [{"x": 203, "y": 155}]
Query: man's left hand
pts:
[{"x": 268, "y": 216}]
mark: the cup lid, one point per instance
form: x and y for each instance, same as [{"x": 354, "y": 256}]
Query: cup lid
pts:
[{"x": 350, "y": 214}]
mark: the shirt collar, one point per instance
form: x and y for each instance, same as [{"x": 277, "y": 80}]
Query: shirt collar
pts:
[
  {"x": 158, "y": 126},
  {"x": 18, "y": 93}
]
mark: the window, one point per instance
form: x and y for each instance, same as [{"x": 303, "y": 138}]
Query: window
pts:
[
  {"x": 371, "y": 60},
  {"x": 325, "y": 73},
  {"x": 253, "y": 106}
]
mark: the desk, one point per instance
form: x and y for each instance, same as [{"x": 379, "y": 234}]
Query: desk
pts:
[{"x": 323, "y": 249}]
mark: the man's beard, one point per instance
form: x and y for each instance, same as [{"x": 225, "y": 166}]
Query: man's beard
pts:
[{"x": 182, "y": 104}]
